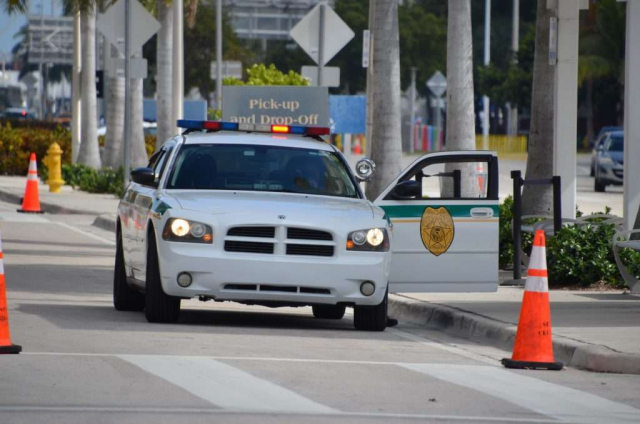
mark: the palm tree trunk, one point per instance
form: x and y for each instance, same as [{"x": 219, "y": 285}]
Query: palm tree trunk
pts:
[
  {"x": 115, "y": 124},
  {"x": 538, "y": 199},
  {"x": 138, "y": 150},
  {"x": 89, "y": 150},
  {"x": 164, "y": 49},
  {"x": 461, "y": 134},
  {"x": 386, "y": 147}
]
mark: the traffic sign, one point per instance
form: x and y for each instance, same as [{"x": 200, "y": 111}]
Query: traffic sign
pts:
[
  {"x": 230, "y": 68},
  {"x": 116, "y": 67},
  {"x": 307, "y": 33},
  {"x": 437, "y": 84},
  {"x": 112, "y": 25},
  {"x": 366, "y": 38},
  {"x": 330, "y": 75},
  {"x": 50, "y": 40}
]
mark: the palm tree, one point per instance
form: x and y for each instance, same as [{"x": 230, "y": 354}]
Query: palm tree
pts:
[
  {"x": 113, "y": 155},
  {"x": 138, "y": 150},
  {"x": 15, "y": 6},
  {"x": 386, "y": 149},
  {"x": 538, "y": 199},
  {"x": 164, "y": 48},
  {"x": 89, "y": 153},
  {"x": 460, "y": 114}
]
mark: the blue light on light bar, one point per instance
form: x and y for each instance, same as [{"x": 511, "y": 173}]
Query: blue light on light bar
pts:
[
  {"x": 190, "y": 124},
  {"x": 229, "y": 126}
]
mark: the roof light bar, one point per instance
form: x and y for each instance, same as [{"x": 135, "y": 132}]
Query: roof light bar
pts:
[{"x": 192, "y": 124}]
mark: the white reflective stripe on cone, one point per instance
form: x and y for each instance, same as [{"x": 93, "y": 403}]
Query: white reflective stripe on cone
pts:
[
  {"x": 31, "y": 176},
  {"x": 537, "y": 284},
  {"x": 33, "y": 166}
]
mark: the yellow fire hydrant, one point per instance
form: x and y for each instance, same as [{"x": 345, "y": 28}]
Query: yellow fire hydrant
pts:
[{"x": 53, "y": 162}]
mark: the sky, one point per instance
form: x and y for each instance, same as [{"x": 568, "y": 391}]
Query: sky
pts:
[{"x": 10, "y": 25}]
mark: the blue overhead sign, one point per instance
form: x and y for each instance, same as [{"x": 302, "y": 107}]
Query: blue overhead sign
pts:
[{"x": 348, "y": 114}]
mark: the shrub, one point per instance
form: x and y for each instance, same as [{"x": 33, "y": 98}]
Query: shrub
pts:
[
  {"x": 583, "y": 255},
  {"x": 16, "y": 145},
  {"x": 106, "y": 180}
]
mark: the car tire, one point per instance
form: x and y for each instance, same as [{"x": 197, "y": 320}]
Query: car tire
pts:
[
  {"x": 159, "y": 306},
  {"x": 329, "y": 311},
  {"x": 599, "y": 186},
  {"x": 371, "y": 318},
  {"x": 124, "y": 297},
  {"x": 593, "y": 172}
]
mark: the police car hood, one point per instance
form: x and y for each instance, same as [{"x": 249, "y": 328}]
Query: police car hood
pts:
[{"x": 254, "y": 207}]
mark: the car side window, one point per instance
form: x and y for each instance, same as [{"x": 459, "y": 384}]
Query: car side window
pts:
[
  {"x": 446, "y": 179},
  {"x": 153, "y": 160}
]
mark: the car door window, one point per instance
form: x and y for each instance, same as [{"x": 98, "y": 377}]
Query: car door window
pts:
[{"x": 449, "y": 178}]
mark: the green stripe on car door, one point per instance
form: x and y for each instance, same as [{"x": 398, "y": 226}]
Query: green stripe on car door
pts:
[{"x": 416, "y": 211}]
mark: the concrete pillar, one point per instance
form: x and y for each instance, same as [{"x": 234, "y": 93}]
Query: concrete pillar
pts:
[
  {"x": 631, "y": 113},
  {"x": 566, "y": 100}
]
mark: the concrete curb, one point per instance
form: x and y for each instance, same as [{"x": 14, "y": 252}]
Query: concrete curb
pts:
[
  {"x": 502, "y": 335},
  {"x": 44, "y": 206},
  {"x": 106, "y": 222}
]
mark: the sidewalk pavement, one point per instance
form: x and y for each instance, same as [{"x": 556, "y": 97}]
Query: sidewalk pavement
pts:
[{"x": 593, "y": 330}]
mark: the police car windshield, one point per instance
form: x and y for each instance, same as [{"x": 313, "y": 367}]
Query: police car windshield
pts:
[{"x": 260, "y": 168}]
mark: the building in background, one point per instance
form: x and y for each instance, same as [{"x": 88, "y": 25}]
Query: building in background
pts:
[{"x": 267, "y": 19}]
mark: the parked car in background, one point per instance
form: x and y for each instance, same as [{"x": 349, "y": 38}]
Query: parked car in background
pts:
[
  {"x": 609, "y": 169},
  {"x": 17, "y": 113}
]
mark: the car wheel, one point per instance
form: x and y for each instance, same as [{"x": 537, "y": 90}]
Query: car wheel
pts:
[
  {"x": 371, "y": 318},
  {"x": 329, "y": 311},
  {"x": 124, "y": 298},
  {"x": 159, "y": 306},
  {"x": 599, "y": 186}
]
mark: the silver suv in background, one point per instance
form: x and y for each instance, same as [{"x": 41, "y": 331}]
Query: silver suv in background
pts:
[{"x": 609, "y": 169}]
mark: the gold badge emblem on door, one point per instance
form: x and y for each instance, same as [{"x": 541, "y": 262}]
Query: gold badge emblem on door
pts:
[{"x": 437, "y": 230}]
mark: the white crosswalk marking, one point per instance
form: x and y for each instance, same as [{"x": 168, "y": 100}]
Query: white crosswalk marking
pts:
[
  {"x": 224, "y": 385},
  {"x": 540, "y": 396}
]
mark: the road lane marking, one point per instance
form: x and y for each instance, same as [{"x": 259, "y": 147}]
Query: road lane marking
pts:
[
  {"x": 86, "y": 233},
  {"x": 546, "y": 398},
  {"x": 225, "y": 386},
  {"x": 334, "y": 414}
]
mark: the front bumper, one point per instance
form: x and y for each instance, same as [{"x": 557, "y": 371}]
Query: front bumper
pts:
[
  {"x": 611, "y": 174},
  {"x": 283, "y": 279}
]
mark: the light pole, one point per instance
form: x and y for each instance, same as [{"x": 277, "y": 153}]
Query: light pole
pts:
[
  {"x": 219, "y": 55},
  {"x": 177, "y": 86}
]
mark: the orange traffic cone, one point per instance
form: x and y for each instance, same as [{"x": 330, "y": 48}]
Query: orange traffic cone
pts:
[
  {"x": 5, "y": 340},
  {"x": 31, "y": 200},
  {"x": 533, "y": 347}
]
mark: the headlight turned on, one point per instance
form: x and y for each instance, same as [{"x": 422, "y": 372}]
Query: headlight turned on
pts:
[
  {"x": 178, "y": 229},
  {"x": 372, "y": 240}
]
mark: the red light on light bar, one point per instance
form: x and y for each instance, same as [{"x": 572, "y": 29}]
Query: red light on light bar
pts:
[
  {"x": 211, "y": 125},
  {"x": 317, "y": 131},
  {"x": 284, "y": 129}
]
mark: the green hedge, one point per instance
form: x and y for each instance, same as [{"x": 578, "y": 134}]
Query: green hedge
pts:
[
  {"x": 576, "y": 256},
  {"x": 16, "y": 145}
]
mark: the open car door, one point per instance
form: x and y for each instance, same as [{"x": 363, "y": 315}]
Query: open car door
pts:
[{"x": 445, "y": 209}]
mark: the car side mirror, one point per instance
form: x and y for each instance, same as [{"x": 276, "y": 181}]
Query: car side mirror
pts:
[
  {"x": 365, "y": 168},
  {"x": 600, "y": 148},
  {"x": 409, "y": 189},
  {"x": 144, "y": 176}
]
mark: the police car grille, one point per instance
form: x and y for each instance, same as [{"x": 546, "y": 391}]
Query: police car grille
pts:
[
  {"x": 305, "y": 234},
  {"x": 248, "y": 247},
  {"x": 266, "y": 232},
  {"x": 309, "y": 250}
]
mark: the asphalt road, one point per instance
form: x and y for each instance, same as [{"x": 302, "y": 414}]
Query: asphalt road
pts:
[{"x": 83, "y": 361}]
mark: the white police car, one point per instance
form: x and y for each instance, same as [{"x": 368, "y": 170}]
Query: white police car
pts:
[
  {"x": 233, "y": 214},
  {"x": 272, "y": 215}
]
